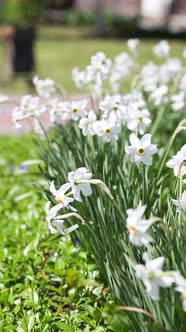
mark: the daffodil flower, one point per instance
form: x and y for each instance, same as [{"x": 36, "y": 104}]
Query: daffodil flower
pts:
[
  {"x": 180, "y": 203},
  {"x": 178, "y": 162},
  {"x": 61, "y": 196},
  {"x": 138, "y": 226},
  {"x": 80, "y": 181},
  {"x": 141, "y": 150},
  {"x": 153, "y": 277}
]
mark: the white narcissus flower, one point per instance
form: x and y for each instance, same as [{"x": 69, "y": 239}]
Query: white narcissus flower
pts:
[
  {"x": 134, "y": 97},
  {"x": 174, "y": 68},
  {"x": 45, "y": 87},
  {"x": 153, "y": 277},
  {"x": 113, "y": 107},
  {"x": 57, "y": 221},
  {"x": 79, "y": 182},
  {"x": 182, "y": 85},
  {"x": 178, "y": 162},
  {"x": 161, "y": 50},
  {"x": 141, "y": 150},
  {"x": 75, "y": 109},
  {"x": 133, "y": 46},
  {"x": 178, "y": 101},
  {"x": 51, "y": 214},
  {"x": 137, "y": 120},
  {"x": 122, "y": 66},
  {"x": 4, "y": 99},
  {"x": 149, "y": 76},
  {"x": 138, "y": 226},
  {"x": 99, "y": 61},
  {"x": 29, "y": 107},
  {"x": 181, "y": 203},
  {"x": 107, "y": 129},
  {"x": 159, "y": 95},
  {"x": 184, "y": 53},
  {"x": 181, "y": 288},
  {"x": 60, "y": 195},
  {"x": 86, "y": 124},
  {"x": 79, "y": 78}
]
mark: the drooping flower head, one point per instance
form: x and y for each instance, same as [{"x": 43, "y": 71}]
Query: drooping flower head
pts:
[{"x": 178, "y": 162}]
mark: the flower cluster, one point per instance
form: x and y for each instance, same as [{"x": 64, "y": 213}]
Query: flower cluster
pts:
[
  {"x": 78, "y": 185},
  {"x": 131, "y": 117}
]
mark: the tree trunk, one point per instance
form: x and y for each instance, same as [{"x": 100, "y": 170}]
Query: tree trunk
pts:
[{"x": 99, "y": 17}]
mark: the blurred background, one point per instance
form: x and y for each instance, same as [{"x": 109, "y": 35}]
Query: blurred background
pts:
[{"x": 50, "y": 37}]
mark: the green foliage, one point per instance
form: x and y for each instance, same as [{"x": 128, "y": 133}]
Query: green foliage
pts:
[
  {"x": 78, "y": 18},
  {"x": 21, "y": 12},
  {"x": 47, "y": 283},
  {"x": 104, "y": 233},
  {"x": 120, "y": 24}
]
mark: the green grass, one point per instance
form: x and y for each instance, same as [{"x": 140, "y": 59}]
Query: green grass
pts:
[
  {"x": 59, "y": 49},
  {"x": 47, "y": 283}
]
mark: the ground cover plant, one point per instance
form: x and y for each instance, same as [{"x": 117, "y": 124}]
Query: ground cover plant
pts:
[
  {"x": 46, "y": 284},
  {"x": 116, "y": 177}
]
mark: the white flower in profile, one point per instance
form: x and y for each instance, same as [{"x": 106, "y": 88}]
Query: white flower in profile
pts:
[
  {"x": 182, "y": 84},
  {"x": 123, "y": 65},
  {"x": 79, "y": 78},
  {"x": 133, "y": 45},
  {"x": 107, "y": 129},
  {"x": 153, "y": 277},
  {"x": 55, "y": 222},
  {"x": 184, "y": 53},
  {"x": 181, "y": 288},
  {"x": 149, "y": 76},
  {"x": 178, "y": 162},
  {"x": 134, "y": 97},
  {"x": 178, "y": 101},
  {"x": 113, "y": 107},
  {"x": 159, "y": 95},
  {"x": 137, "y": 120},
  {"x": 161, "y": 50},
  {"x": 138, "y": 226},
  {"x": 60, "y": 195},
  {"x": 45, "y": 87},
  {"x": 86, "y": 124},
  {"x": 4, "y": 99},
  {"x": 141, "y": 150},
  {"x": 29, "y": 107},
  {"x": 99, "y": 61},
  {"x": 79, "y": 183},
  {"x": 51, "y": 214},
  {"x": 181, "y": 203},
  {"x": 174, "y": 68}
]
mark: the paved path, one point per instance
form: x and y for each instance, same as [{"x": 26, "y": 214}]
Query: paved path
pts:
[{"x": 6, "y": 124}]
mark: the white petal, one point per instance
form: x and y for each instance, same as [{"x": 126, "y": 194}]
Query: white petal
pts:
[
  {"x": 134, "y": 140},
  {"x": 65, "y": 187},
  {"x": 53, "y": 189},
  {"x": 46, "y": 207},
  {"x": 146, "y": 140},
  {"x": 86, "y": 190},
  {"x": 147, "y": 160}
]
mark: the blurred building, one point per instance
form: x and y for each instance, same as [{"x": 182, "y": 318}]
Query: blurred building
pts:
[
  {"x": 153, "y": 13},
  {"x": 169, "y": 14}
]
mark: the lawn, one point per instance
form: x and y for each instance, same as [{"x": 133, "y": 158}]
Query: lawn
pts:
[
  {"x": 46, "y": 283},
  {"x": 59, "y": 49}
]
